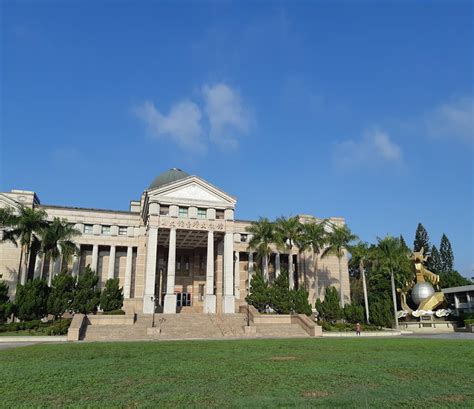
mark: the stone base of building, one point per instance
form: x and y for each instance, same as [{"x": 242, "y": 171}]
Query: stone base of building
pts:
[
  {"x": 148, "y": 303},
  {"x": 228, "y": 304},
  {"x": 210, "y": 304},
  {"x": 169, "y": 306}
]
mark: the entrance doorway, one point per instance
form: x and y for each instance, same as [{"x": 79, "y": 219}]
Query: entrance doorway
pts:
[{"x": 183, "y": 299}]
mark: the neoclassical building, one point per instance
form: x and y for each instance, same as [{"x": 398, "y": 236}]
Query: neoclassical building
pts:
[{"x": 179, "y": 246}]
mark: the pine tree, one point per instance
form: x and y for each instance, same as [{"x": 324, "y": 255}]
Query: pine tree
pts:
[
  {"x": 6, "y": 306},
  {"x": 422, "y": 239},
  {"x": 402, "y": 242},
  {"x": 86, "y": 295},
  {"x": 434, "y": 261},
  {"x": 61, "y": 295},
  {"x": 329, "y": 310},
  {"x": 446, "y": 255},
  {"x": 112, "y": 296},
  {"x": 259, "y": 293},
  {"x": 280, "y": 295}
]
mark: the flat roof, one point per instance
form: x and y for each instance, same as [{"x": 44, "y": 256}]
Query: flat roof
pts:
[
  {"x": 88, "y": 209},
  {"x": 461, "y": 289}
]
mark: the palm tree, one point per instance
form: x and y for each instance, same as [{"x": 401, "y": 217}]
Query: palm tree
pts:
[
  {"x": 287, "y": 234},
  {"x": 360, "y": 256},
  {"x": 314, "y": 237},
  {"x": 339, "y": 240},
  {"x": 23, "y": 228},
  {"x": 263, "y": 235},
  {"x": 56, "y": 242},
  {"x": 392, "y": 257}
]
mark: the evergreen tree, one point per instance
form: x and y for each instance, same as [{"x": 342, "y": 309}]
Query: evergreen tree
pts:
[
  {"x": 403, "y": 242},
  {"x": 446, "y": 255},
  {"x": 259, "y": 293},
  {"x": 381, "y": 312},
  {"x": 421, "y": 239},
  {"x": 434, "y": 261},
  {"x": 31, "y": 300},
  {"x": 452, "y": 279},
  {"x": 6, "y": 306},
  {"x": 112, "y": 296},
  {"x": 329, "y": 310},
  {"x": 86, "y": 295},
  {"x": 280, "y": 294},
  {"x": 61, "y": 296},
  {"x": 354, "y": 313},
  {"x": 300, "y": 304}
]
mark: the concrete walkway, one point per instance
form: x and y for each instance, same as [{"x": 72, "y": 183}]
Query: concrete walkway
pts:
[{"x": 32, "y": 339}]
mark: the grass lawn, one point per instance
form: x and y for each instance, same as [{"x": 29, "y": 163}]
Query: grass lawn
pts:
[{"x": 249, "y": 373}]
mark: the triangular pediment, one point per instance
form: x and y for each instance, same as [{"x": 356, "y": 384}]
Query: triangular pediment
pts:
[
  {"x": 5, "y": 202},
  {"x": 192, "y": 190}
]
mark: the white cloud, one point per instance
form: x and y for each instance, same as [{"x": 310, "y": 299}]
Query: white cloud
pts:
[
  {"x": 226, "y": 113},
  {"x": 375, "y": 147},
  {"x": 454, "y": 120},
  {"x": 182, "y": 124}
]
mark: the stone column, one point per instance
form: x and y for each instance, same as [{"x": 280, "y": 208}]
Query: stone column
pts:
[
  {"x": 38, "y": 265},
  {"x": 250, "y": 267},
  {"x": 75, "y": 263},
  {"x": 95, "y": 258},
  {"x": 170, "y": 297},
  {"x": 111, "y": 270},
  {"x": 128, "y": 273},
  {"x": 277, "y": 265},
  {"x": 210, "y": 298},
  {"x": 456, "y": 301},
  {"x": 291, "y": 276},
  {"x": 150, "y": 271},
  {"x": 229, "y": 299},
  {"x": 237, "y": 275}
]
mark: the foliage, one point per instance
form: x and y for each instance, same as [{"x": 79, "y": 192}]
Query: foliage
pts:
[
  {"x": 446, "y": 255},
  {"x": 434, "y": 261},
  {"x": 354, "y": 313},
  {"x": 6, "y": 306},
  {"x": 452, "y": 279},
  {"x": 287, "y": 232},
  {"x": 280, "y": 298},
  {"x": 36, "y": 327},
  {"x": 31, "y": 300},
  {"x": 86, "y": 295},
  {"x": 62, "y": 292},
  {"x": 422, "y": 240},
  {"x": 259, "y": 293},
  {"x": 112, "y": 295},
  {"x": 114, "y": 312},
  {"x": 381, "y": 312},
  {"x": 329, "y": 310},
  {"x": 263, "y": 235},
  {"x": 346, "y": 327},
  {"x": 299, "y": 300}
]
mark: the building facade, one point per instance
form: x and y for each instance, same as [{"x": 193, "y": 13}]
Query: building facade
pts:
[{"x": 179, "y": 247}]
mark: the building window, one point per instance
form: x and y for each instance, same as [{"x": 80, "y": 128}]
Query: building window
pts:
[
  {"x": 105, "y": 229},
  {"x": 243, "y": 238},
  {"x": 88, "y": 228},
  {"x": 202, "y": 213},
  {"x": 219, "y": 214},
  {"x": 186, "y": 263},
  {"x": 202, "y": 262},
  {"x": 178, "y": 262},
  {"x": 164, "y": 210},
  {"x": 183, "y": 212},
  {"x": 123, "y": 230}
]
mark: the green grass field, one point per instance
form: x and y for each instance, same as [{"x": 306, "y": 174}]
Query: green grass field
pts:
[{"x": 248, "y": 373}]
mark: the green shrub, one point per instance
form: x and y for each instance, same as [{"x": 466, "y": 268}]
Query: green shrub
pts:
[
  {"x": 59, "y": 327},
  {"x": 346, "y": 327},
  {"x": 61, "y": 296},
  {"x": 259, "y": 295},
  {"x": 329, "y": 310},
  {"x": 112, "y": 296},
  {"x": 300, "y": 304},
  {"x": 86, "y": 296},
  {"x": 381, "y": 312},
  {"x": 31, "y": 300},
  {"x": 280, "y": 297},
  {"x": 354, "y": 313},
  {"x": 114, "y": 312},
  {"x": 6, "y": 306}
]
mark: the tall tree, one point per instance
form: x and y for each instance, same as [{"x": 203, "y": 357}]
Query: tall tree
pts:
[
  {"x": 263, "y": 235},
  {"x": 392, "y": 258},
  {"x": 287, "y": 234},
  {"x": 446, "y": 255},
  {"x": 402, "y": 241},
  {"x": 314, "y": 237},
  {"x": 360, "y": 255},
  {"x": 22, "y": 229},
  {"x": 434, "y": 261},
  {"x": 422, "y": 239},
  {"x": 57, "y": 242},
  {"x": 339, "y": 241}
]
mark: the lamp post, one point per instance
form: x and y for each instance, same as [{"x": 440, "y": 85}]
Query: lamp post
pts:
[{"x": 153, "y": 300}]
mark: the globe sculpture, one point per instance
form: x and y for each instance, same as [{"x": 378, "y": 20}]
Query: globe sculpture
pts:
[{"x": 421, "y": 292}]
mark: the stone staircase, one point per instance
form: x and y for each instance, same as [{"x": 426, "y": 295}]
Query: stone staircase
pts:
[{"x": 188, "y": 326}]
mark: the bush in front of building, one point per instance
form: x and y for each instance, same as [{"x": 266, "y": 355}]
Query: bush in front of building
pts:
[
  {"x": 6, "y": 306},
  {"x": 86, "y": 296},
  {"x": 115, "y": 312},
  {"x": 61, "y": 295},
  {"x": 280, "y": 297},
  {"x": 354, "y": 313},
  {"x": 300, "y": 304},
  {"x": 259, "y": 295},
  {"x": 329, "y": 310},
  {"x": 381, "y": 312},
  {"x": 111, "y": 298},
  {"x": 36, "y": 327},
  {"x": 31, "y": 300}
]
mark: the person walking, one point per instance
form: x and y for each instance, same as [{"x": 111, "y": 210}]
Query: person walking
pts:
[{"x": 358, "y": 329}]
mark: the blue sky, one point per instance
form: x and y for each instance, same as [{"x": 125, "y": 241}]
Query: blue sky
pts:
[{"x": 355, "y": 109}]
